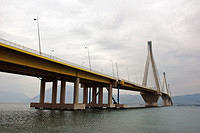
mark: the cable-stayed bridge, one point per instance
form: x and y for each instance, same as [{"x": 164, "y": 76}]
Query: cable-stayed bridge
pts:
[{"x": 17, "y": 59}]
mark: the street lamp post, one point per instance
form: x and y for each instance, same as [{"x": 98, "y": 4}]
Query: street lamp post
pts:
[
  {"x": 117, "y": 85},
  {"x": 89, "y": 58},
  {"x": 113, "y": 68},
  {"x": 90, "y": 70},
  {"x": 128, "y": 74},
  {"x": 38, "y": 29},
  {"x": 51, "y": 53},
  {"x": 170, "y": 93},
  {"x": 136, "y": 78}
]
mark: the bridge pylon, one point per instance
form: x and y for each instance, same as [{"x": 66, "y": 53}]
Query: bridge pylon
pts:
[
  {"x": 167, "y": 101},
  {"x": 151, "y": 99}
]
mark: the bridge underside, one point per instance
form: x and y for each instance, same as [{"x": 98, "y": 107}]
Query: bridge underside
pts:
[{"x": 47, "y": 75}]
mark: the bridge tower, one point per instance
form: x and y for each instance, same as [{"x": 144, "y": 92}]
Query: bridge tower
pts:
[
  {"x": 150, "y": 98},
  {"x": 166, "y": 95}
]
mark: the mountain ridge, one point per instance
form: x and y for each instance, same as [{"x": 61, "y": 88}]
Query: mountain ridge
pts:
[{"x": 16, "y": 97}]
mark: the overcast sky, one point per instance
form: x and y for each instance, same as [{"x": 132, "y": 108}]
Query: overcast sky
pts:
[{"x": 115, "y": 30}]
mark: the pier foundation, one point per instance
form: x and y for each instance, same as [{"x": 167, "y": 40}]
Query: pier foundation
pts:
[
  {"x": 100, "y": 97},
  {"x": 150, "y": 99},
  {"x": 166, "y": 100},
  {"x": 110, "y": 104},
  {"x": 62, "y": 92}
]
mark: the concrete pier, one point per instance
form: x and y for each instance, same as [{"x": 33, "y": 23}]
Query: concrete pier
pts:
[
  {"x": 42, "y": 91},
  {"x": 53, "y": 105},
  {"x": 110, "y": 105},
  {"x": 76, "y": 91},
  {"x": 94, "y": 95},
  {"x": 54, "y": 91},
  {"x": 100, "y": 97},
  {"x": 166, "y": 100},
  {"x": 62, "y": 92},
  {"x": 77, "y": 105},
  {"x": 85, "y": 94},
  {"x": 150, "y": 99}
]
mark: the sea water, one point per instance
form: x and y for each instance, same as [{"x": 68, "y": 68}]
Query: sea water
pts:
[{"x": 21, "y": 118}]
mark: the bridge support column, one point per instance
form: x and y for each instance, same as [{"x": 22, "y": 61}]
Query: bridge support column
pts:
[
  {"x": 62, "y": 92},
  {"x": 94, "y": 95},
  {"x": 150, "y": 99},
  {"x": 42, "y": 96},
  {"x": 100, "y": 97},
  {"x": 42, "y": 91},
  {"x": 110, "y": 105},
  {"x": 76, "y": 90},
  {"x": 85, "y": 94},
  {"x": 76, "y": 105},
  {"x": 166, "y": 100},
  {"x": 54, "y": 92}
]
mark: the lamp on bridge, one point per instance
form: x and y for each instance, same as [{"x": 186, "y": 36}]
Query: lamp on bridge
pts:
[
  {"x": 90, "y": 70},
  {"x": 51, "y": 53},
  {"x": 38, "y": 29},
  {"x": 89, "y": 58}
]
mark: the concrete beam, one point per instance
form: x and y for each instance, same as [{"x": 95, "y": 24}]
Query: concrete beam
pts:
[
  {"x": 42, "y": 91},
  {"x": 62, "y": 92},
  {"x": 94, "y": 96},
  {"x": 54, "y": 92},
  {"x": 100, "y": 97},
  {"x": 76, "y": 90},
  {"x": 85, "y": 94},
  {"x": 110, "y": 105}
]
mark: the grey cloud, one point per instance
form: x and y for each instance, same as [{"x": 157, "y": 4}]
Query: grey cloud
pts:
[
  {"x": 115, "y": 30},
  {"x": 81, "y": 31}
]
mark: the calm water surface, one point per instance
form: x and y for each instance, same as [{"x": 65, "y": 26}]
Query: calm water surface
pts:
[{"x": 177, "y": 119}]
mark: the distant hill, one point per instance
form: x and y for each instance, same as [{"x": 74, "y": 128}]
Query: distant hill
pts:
[
  {"x": 13, "y": 97},
  {"x": 129, "y": 99},
  {"x": 193, "y": 99}
]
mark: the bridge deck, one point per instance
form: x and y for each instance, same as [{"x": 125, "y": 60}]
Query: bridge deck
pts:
[{"x": 18, "y": 59}]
